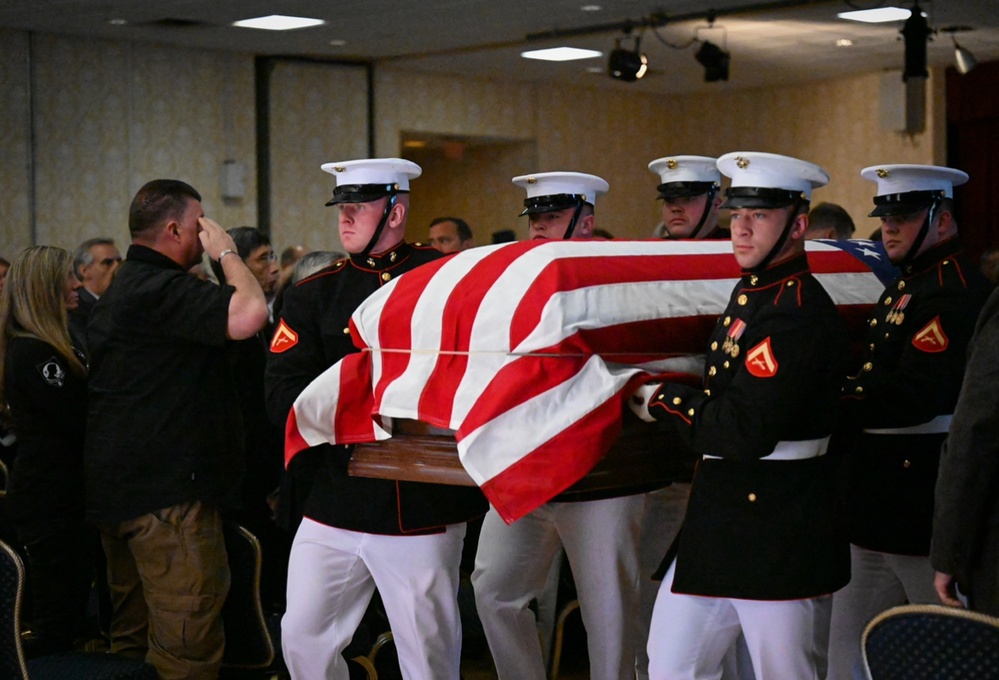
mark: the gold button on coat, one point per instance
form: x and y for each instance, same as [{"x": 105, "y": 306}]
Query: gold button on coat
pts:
[
  {"x": 752, "y": 497},
  {"x": 907, "y": 464},
  {"x": 868, "y": 366},
  {"x": 742, "y": 300},
  {"x": 677, "y": 400},
  {"x": 386, "y": 276},
  {"x": 690, "y": 412}
]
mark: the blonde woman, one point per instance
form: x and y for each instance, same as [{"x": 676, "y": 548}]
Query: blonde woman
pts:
[{"x": 43, "y": 385}]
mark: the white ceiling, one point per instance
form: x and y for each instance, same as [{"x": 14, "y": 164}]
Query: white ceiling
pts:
[{"x": 771, "y": 42}]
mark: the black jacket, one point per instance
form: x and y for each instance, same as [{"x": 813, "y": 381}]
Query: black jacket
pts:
[
  {"x": 763, "y": 529},
  {"x": 910, "y": 376}
]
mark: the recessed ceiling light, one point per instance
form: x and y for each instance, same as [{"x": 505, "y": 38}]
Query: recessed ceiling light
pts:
[
  {"x": 844, "y": 42},
  {"x": 278, "y": 22},
  {"x": 118, "y": 22},
  {"x": 877, "y": 16},
  {"x": 338, "y": 43},
  {"x": 591, "y": 8},
  {"x": 561, "y": 54}
]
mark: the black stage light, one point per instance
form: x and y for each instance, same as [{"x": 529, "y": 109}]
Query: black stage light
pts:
[
  {"x": 715, "y": 61},
  {"x": 627, "y": 65}
]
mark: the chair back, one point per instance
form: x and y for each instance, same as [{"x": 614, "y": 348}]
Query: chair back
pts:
[
  {"x": 248, "y": 642},
  {"x": 929, "y": 642},
  {"x": 12, "y": 661}
]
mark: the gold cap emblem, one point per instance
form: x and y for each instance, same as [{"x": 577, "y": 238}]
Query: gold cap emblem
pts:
[
  {"x": 742, "y": 162},
  {"x": 671, "y": 164},
  {"x": 532, "y": 180},
  {"x": 339, "y": 168},
  {"x": 882, "y": 173}
]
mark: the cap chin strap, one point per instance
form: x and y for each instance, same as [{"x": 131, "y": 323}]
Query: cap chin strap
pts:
[
  {"x": 575, "y": 217},
  {"x": 765, "y": 262},
  {"x": 381, "y": 225},
  {"x": 921, "y": 236},
  {"x": 704, "y": 215}
]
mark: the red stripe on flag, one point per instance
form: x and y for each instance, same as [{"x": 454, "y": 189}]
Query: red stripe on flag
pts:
[
  {"x": 460, "y": 312},
  {"x": 558, "y": 463},
  {"x": 293, "y": 441}
]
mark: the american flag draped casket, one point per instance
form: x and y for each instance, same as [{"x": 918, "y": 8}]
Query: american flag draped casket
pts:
[{"x": 529, "y": 350}]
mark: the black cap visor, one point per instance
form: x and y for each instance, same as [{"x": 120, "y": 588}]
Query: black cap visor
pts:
[
  {"x": 362, "y": 193},
  {"x": 759, "y": 197},
  {"x": 552, "y": 203},
  {"x": 684, "y": 189},
  {"x": 904, "y": 204}
]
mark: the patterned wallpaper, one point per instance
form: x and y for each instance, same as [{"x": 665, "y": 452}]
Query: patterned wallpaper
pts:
[
  {"x": 15, "y": 133},
  {"x": 109, "y": 116},
  {"x": 317, "y": 115}
]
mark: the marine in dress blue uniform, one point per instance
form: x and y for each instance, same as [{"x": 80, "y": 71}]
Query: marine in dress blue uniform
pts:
[
  {"x": 690, "y": 191},
  {"x": 900, "y": 400},
  {"x": 357, "y": 534},
  {"x": 599, "y": 531},
  {"x": 758, "y": 551}
]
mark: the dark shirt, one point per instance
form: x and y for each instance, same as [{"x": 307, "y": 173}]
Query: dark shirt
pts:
[
  {"x": 48, "y": 403},
  {"x": 312, "y": 336},
  {"x": 911, "y": 373},
  {"x": 164, "y": 425},
  {"x": 763, "y": 529},
  {"x": 80, "y": 317}
]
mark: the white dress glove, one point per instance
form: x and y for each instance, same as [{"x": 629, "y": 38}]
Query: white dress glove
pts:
[{"x": 639, "y": 402}]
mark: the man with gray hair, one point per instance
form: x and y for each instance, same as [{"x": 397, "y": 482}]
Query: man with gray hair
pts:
[{"x": 95, "y": 262}]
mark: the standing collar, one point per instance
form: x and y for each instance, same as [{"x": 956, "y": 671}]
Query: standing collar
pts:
[
  {"x": 776, "y": 272},
  {"x": 932, "y": 256},
  {"x": 390, "y": 258}
]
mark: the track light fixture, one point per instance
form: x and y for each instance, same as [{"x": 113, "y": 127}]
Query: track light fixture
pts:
[
  {"x": 715, "y": 61},
  {"x": 964, "y": 60},
  {"x": 627, "y": 65}
]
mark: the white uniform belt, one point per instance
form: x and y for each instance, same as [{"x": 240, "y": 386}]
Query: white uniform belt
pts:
[
  {"x": 939, "y": 425},
  {"x": 801, "y": 450}
]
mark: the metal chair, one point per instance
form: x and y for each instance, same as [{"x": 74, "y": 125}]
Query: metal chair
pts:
[
  {"x": 248, "y": 643},
  {"x": 931, "y": 642},
  {"x": 76, "y": 665}
]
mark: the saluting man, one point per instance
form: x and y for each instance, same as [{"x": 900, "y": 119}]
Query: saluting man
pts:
[
  {"x": 902, "y": 398},
  {"x": 599, "y": 533},
  {"x": 357, "y": 534},
  {"x": 758, "y": 550}
]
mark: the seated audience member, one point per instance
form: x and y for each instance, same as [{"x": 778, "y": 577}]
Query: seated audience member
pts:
[
  {"x": 313, "y": 262},
  {"x": 450, "y": 235},
  {"x": 95, "y": 262},
  {"x": 43, "y": 381},
  {"x": 828, "y": 220}
]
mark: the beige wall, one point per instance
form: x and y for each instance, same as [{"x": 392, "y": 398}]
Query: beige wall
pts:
[{"x": 108, "y": 116}]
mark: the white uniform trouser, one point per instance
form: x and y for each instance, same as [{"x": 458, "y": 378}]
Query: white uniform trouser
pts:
[
  {"x": 664, "y": 511},
  {"x": 512, "y": 564},
  {"x": 878, "y": 581},
  {"x": 691, "y": 635},
  {"x": 332, "y": 575}
]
